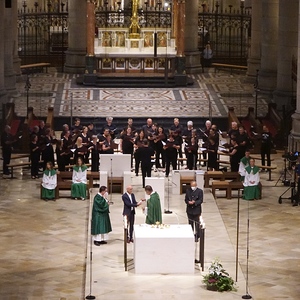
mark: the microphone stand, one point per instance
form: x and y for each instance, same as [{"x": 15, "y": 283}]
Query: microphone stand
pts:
[
  {"x": 247, "y": 296},
  {"x": 90, "y": 296},
  {"x": 168, "y": 211},
  {"x": 111, "y": 179}
]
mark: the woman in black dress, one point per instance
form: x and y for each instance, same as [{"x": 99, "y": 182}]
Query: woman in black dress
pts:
[
  {"x": 212, "y": 150},
  {"x": 234, "y": 156},
  {"x": 158, "y": 147},
  {"x": 94, "y": 148},
  {"x": 35, "y": 153},
  {"x": 47, "y": 148},
  {"x": 126, "y": 143},
  {"x": 138, "y": 144}
]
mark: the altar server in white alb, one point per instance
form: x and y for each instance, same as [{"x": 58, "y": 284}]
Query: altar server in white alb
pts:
[
  {"x": 79, "y": 181},
  {"x": 251, "y": 181},
  {"x": 49, "y": 182}
]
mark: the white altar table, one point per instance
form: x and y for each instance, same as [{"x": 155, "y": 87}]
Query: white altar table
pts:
[{"x": 164, "y": 251}]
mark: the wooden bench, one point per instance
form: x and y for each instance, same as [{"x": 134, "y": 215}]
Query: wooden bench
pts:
[
  {"x": 185, "y": 180},
  {"x": 34, "y": 68},
  {"x": 235, "y": 176},
  {"x": 229, "y": 186},
  {"x": 218, "y": 66},
  {"x": 269, "y": 169},
  {"x": 20, "y": 155},
  {"x": 113, "y": 181},
  {"x": 17, "y": 165}
]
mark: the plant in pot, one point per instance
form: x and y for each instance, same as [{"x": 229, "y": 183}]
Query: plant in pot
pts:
[{"x": 218, "y": 279}]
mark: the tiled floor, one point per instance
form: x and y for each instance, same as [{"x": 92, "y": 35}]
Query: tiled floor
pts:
[
  {"x": 44, "y": 255},
  {"x": 210, "y": 95}
]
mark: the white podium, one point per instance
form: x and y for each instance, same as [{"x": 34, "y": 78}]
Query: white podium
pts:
[
  {"x": 164, "y": 251},
  {"x": 158, "y": 185},
  {"x": 115, "y": 166}
]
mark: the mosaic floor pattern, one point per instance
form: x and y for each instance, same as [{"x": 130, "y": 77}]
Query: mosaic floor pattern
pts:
[{"x": 211, "y": 94}]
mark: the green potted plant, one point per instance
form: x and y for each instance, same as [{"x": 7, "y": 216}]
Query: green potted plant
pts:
[{"x": 218, "y": 279}]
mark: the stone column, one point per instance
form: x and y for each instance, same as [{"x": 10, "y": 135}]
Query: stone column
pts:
[
  {"x": 192, "y": 52},
  {"x": 287, "y": 48},
  {"x": 2, "y": 86},
  {"x": 90, "y": 33},
  {"x": 180, "y": 21},
  {"x": 16, "y": 59},
  {"x": 75, "y": 55},
  {"x": 255, "y": 47},
  {"x": 269, "y": 46},
  {"x": 9, "y": 73},
  {"x": 294, "y": 138}
]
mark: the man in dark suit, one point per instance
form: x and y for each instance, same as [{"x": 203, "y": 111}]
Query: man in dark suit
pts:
[
  {"x": 193, "y": 200},
  {"x": 129, "y": 210}
]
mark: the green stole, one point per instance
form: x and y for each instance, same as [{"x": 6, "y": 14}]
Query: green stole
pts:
[
  {"x": 255, "y": 169},
  {"x": 83, "y": 168}
]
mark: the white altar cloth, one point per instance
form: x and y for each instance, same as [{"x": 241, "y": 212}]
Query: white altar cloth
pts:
[{"x": 164, "y": 251}]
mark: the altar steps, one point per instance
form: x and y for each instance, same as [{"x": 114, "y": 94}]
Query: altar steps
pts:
[{"x": 140, "y": 80}]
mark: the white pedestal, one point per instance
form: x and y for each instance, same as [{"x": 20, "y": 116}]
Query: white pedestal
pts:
[
  {"x": 164, "y": 251},
  {"x": 158, "y": 185}
]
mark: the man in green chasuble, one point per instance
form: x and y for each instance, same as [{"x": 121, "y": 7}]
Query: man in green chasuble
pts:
[{"x": 153, "y": 209}]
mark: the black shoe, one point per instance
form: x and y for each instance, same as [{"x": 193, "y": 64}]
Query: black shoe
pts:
[
  {"x": 103, "y": 242},
  {"x": 197, "y": 261},
  {"x": 97, "y": 243}
]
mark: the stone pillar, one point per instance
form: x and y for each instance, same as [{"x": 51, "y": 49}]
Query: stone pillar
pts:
[
  {"x": 16, "y": 59},
  {"x": 9, "y": 73},
  {"x": 90, "y": 33},
  {"x": 269, "y": 46},
  {"x": 75, "y": 55},
  {"x": 2, "y": 86},
  {"x": 192, "y": 53},
  {"x": 255, "y": 47},
  {"x": 287, "y": 48},
  {"x": 294, "y": 138},
  {"x": 180, "y": 21}
]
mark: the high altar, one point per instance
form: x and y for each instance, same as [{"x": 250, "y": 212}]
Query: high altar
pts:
[{"x": 137, "y": 48}]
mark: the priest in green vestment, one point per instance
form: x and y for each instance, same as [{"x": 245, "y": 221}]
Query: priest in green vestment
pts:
[
  {"x": 79, "y": 180},
  {"x": 251, "y": 181},
  {"x": 49, "y": 182},
  {"x": 101, "y": 225},
  {"x": 244, "y": 162},
  {"x": 153, "y": 209}
]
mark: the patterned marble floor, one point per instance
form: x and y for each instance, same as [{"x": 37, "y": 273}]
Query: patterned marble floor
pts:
[
  {"x": 210, "y": 95},
  {"x": 44, "y": 255}
]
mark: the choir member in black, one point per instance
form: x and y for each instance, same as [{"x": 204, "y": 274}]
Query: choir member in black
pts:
[
  {"x": 65, "y": 128},
  {"x": 158, "y": 147},
  {"x": 80, "y": 151},
  {"x": 266, "y": 146},
  {"x": 171, "y": 148},
  {"x": 147, "y": 128},
  {"x": 146, "y": 154},
  {"x": 176, "y": 130},
  {"x": 191, "y": 151},
  {"x": 187, "y": 132},
  {"x": 138, "y": 144},
  {"x": 214, "y": 135},
  {"x": 243, "y": 141},
  {"x": 130, "y": 124},
  {"x": 6, "y": 143},
  {"x": 233, "y": 131},
  {"x": 35, "y": 153},
  {"x": 91, "y": 130},
  {"x": 204, "y": 135},
  {"x": 234, "y": 156},
  {"x": 152, "y": 136},
  {"x": 47, "y": 148},
  {"x": 84, "y": 136},
  {"x": 60, "y": 159},
  {"x": 94, "y": 148},
  {"x": 126, "y": 143},
  {"x": 108, "y": 146},
  {"x": 109, "y": 125},
  {"x": 35, "y": 131},
  {"x": 67, "y": 145},
  {"x": 77, "y": 127},
  {"x": 103, "y": 138},
  {"x": 212, "y": 153},
  {"x": 42, "y": 129}
]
